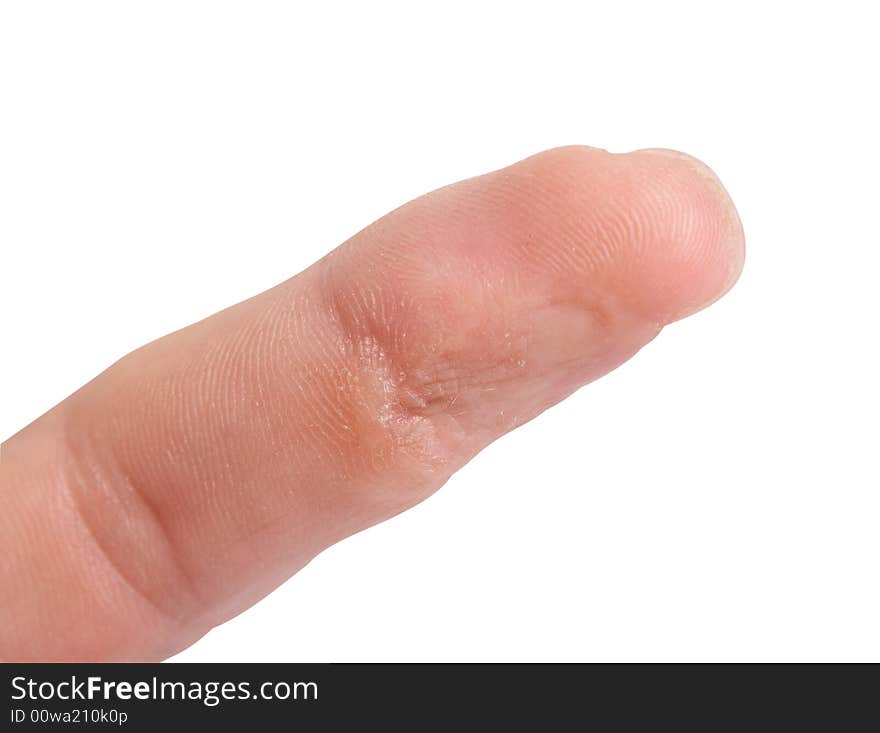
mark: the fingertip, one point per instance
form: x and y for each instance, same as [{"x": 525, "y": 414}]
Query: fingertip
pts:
[
  {"x": 654, "y": 230},
  {"x": 699, "y": 235}
]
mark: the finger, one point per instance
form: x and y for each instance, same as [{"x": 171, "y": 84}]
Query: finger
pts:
[{"x": 200, "y": 471}]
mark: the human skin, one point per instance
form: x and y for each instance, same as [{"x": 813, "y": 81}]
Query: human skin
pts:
[{"x": 202, "y": 470}]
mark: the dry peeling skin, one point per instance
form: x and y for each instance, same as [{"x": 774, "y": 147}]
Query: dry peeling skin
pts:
[{"x": 202, "y": 470}]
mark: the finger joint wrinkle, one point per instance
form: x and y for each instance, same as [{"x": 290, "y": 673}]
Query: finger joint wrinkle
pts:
[{"x": 124, "y": 529}]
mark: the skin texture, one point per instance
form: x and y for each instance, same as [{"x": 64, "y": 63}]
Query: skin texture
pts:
[{"x": 202, "y": 470}]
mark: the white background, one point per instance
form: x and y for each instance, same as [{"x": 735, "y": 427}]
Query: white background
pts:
[{"x": 716, "y": 498}]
